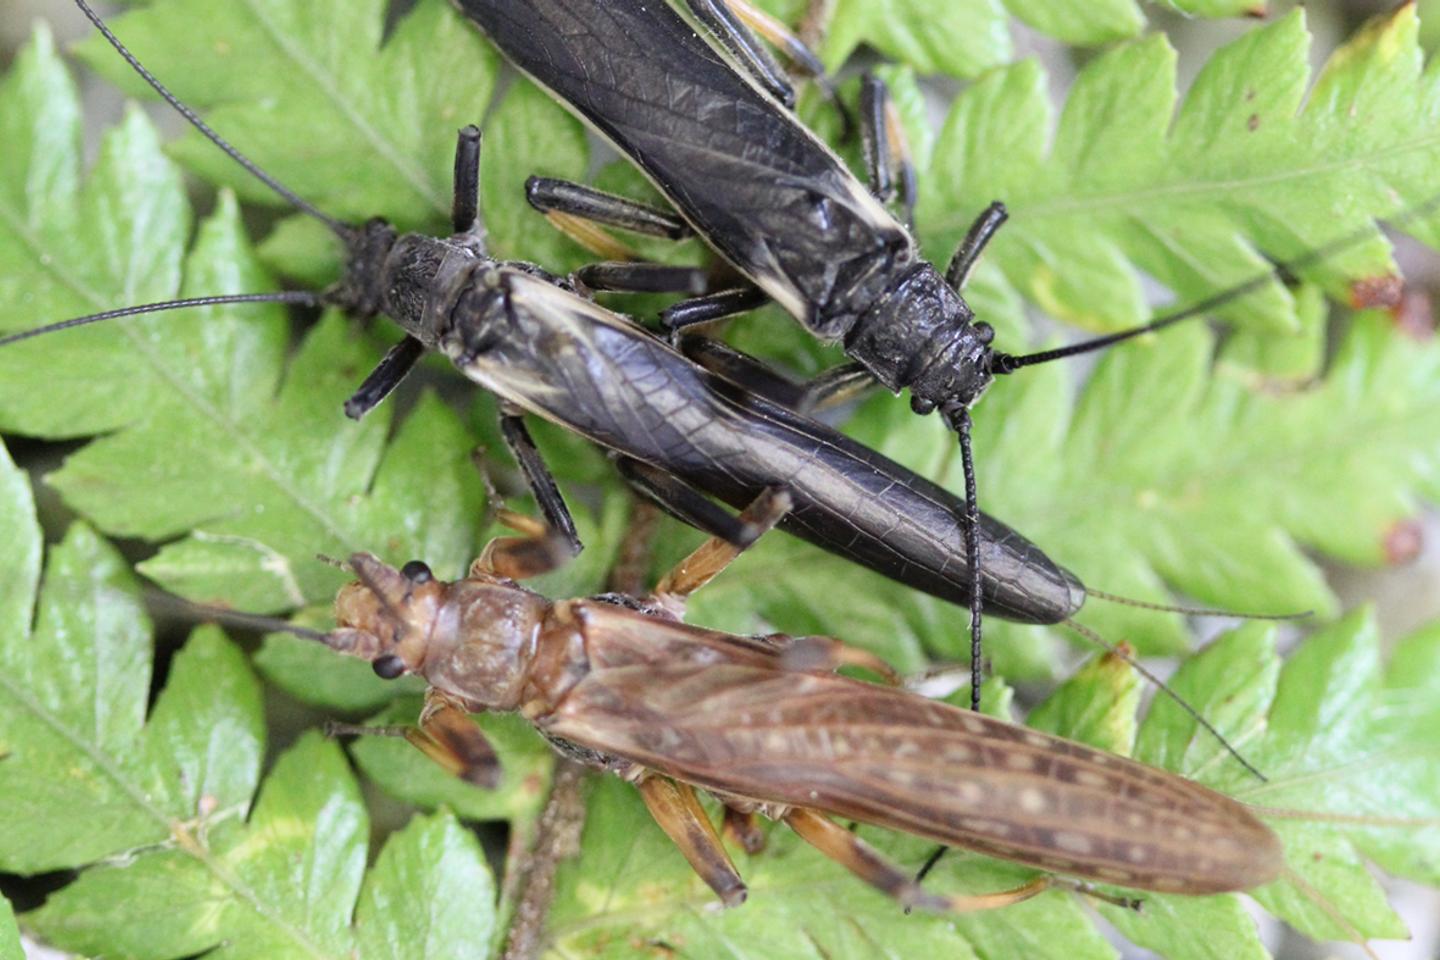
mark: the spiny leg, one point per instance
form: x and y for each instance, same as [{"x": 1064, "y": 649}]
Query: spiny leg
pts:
[
  {"x": 887, "y": 152},
  {"x": 861, "y": 859},
  {"x": 717, "y": 553},
  {"x": 967, "y": 255},
  {"x": 678, "y": 812}
]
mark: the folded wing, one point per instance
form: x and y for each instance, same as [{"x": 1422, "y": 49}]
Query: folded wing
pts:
[{"x": 885, "y": 756}]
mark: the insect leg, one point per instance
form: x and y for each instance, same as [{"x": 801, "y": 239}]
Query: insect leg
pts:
[
  {"x": 450, "y": 737},
  {"x": 393, "y": 367},
  {"x": 544, "y": 545},
  {"x": 538, "y": 478},
  {"x": 968, "y": 253},
  {"x": 887, "y": 152},
  {"x": 717, "y": 553},
  {"x": 820, "y": 654},
  {"x": 678, "y": 812},
  {"x": 445, "y": 734},
  {"x": 743, "y": 370},
  {"x": 549, "y": 195},
  {"x": 832, "y": 387},
  {"x": 578, "y": 212},
  {"x": 644, "y": 277},
  {"x": 712, "y": 307},
  {"x": 723, "y": 18},
  {"x": 745, "y": 828},
  {"x": 465, "y": 208},
  {"x": 861, "y": 859},
  {"x": 835, "y": 386},
  {"x": 741, "y": 15},
  {"x": 684, "y": 503}
]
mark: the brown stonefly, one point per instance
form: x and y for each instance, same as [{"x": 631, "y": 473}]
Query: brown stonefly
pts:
[{"x": 766, "y": 726}]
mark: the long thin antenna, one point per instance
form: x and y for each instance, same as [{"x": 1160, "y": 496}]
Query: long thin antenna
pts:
[
  {"x": 341, "y": 229},
  {"x": 234, "y": 618},
  {"x": 300, "y": 297},
  {"x": 1164, "y": 688},
  {"x": 1009, "y": 363},
  {"x": 1194, "y": 611}
]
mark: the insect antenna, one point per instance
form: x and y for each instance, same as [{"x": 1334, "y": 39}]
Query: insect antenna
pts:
[
  {"x": 298, "y": 297},
  {"x": 958, "y": 419},
  {"x": 341, "y": 229},
  {"x": 232, "y": 618},
  {"x": 1118, "y": 651},
  {"x": 1193, "y": 611},
  {"x": 1009, "y": 363}
]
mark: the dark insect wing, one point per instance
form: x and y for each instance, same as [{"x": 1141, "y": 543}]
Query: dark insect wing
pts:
[
  {"x": 706, "y": 136},
  {"x": 622, "y": 388},
  {"x": 885, "y": 756}
]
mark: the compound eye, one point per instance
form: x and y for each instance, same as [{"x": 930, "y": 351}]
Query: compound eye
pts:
[
  {"x": 416, "y": 572},
  {"x": 388, "y": 667},
  {"x": 983, "y": 331}
]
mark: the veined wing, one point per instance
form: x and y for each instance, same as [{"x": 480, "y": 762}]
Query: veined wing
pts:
[
  {"x": 756, "y": 184},
  {"x": 884, "y": 756}
]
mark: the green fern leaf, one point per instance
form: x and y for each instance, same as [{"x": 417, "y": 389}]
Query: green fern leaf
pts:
[
  {"x": 379, "y": 116},
  {"x": 211, "y": 433},
  {"x": 176, "y": 853},
  {"x": 1196, "y": 199},
  {"x": 10, "y": 948}
]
